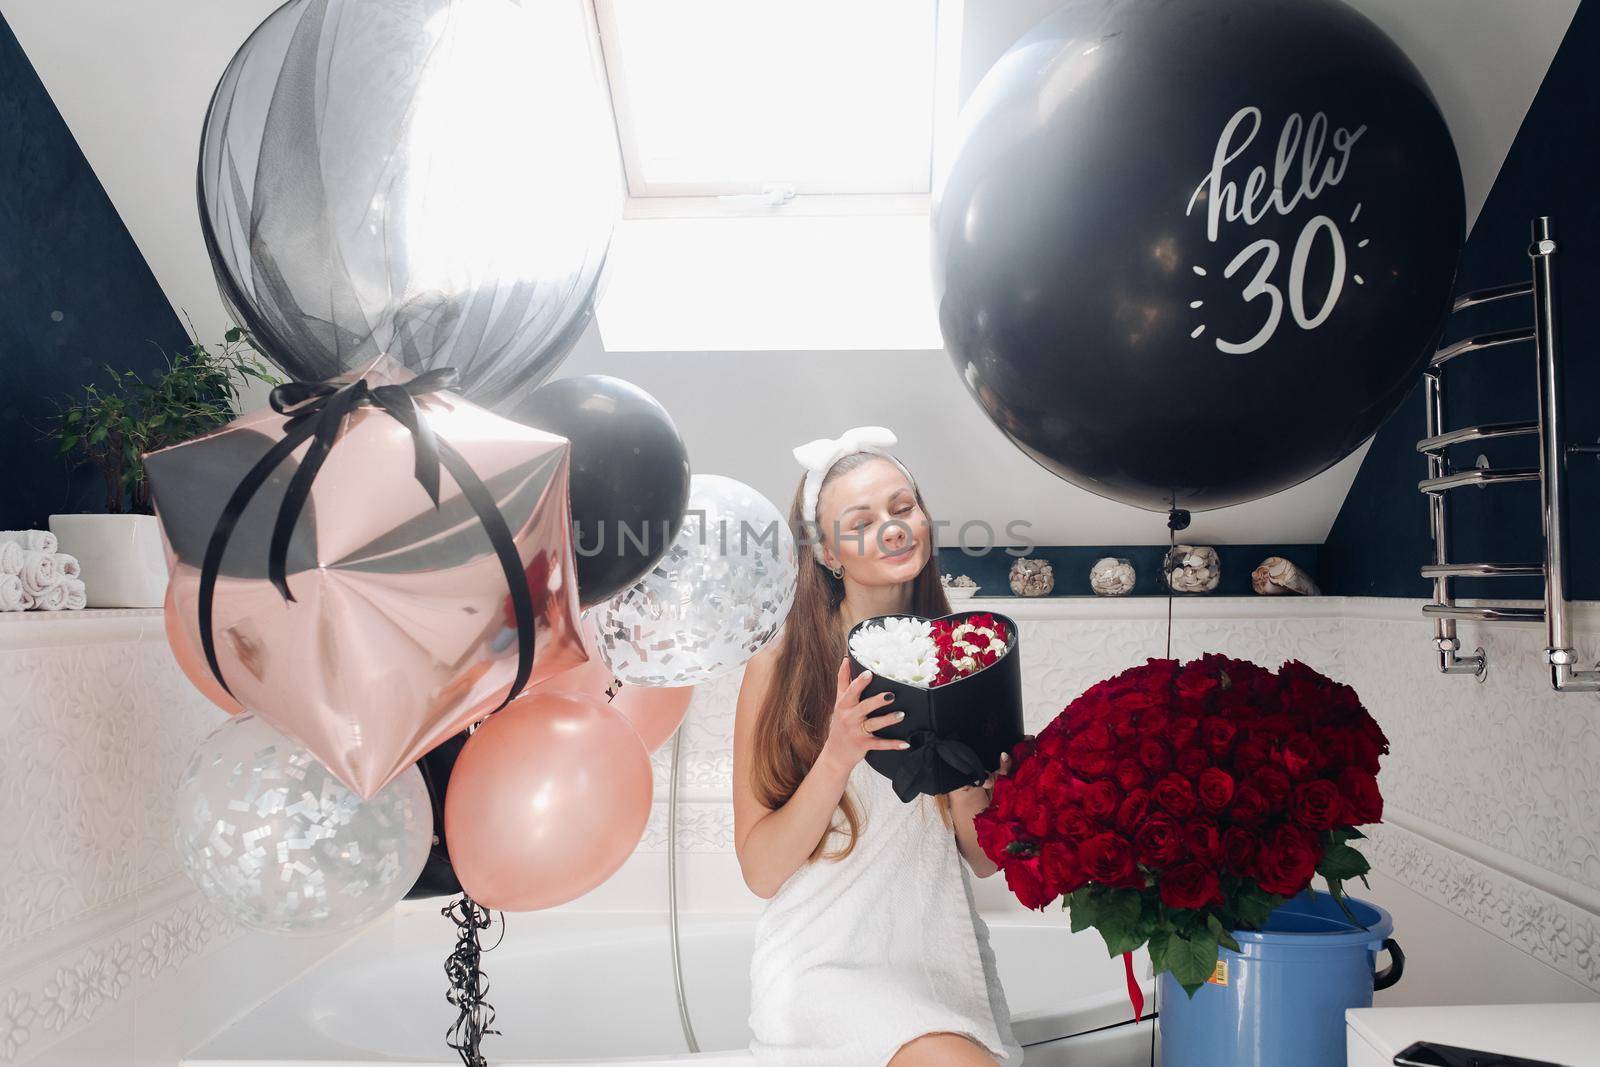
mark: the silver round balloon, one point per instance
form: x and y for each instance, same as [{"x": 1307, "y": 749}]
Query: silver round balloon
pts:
[
  {"x": 279, "y": 845},
  {"x": 717, "y": 596},
  {"x": 435, "y": 180}
]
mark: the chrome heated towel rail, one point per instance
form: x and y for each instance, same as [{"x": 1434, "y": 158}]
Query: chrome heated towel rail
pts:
[{"x": 1444, "y": 479}]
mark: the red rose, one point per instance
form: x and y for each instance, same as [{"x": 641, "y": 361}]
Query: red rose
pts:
[
  {"x": 1026, "y": 883},
  {"x": 1130, "y": 774},
  {"x": 1182, "y": 731},
  {"x": 1060, "y": 869},
  {"x": 1273, "y": 784},
  {"x": 1154, "y": 756},
  {"x": 1317, "y": 805},
  {"x": 1074, "y": 824},
  {"x": 1302, "y": 756},
  {"x": 1204, "y": 842},
  {"x": 1239, "y": 850},
  {"x": 1132, "y": 810},
  {"x": 1089, "y": 753},
  {"x": 1108, "y": 860},
  {"x": 1191, "y": 761},
  {"x": 1037, "y": 821},
  {"x": 1215, "y": 788},
  {"x": 1217, "y": 734},
  {"x": 1159, "y": 842},
  {"x": 1190, "y": 885},
  {"x": 1363, "y": 801},
  {"x": 1100, "y": 800},
  {"x": 1251, "y": 752},
  {"x": 1249, "y": 806},
  {"x": 1287, "y": 859},
  {"x": 1176, "y": 794},
  {"x": 994, "y": 834}
]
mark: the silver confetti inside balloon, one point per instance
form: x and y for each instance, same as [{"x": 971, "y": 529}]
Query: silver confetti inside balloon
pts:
[
  {"x": 279, "y": 845},
  {"x": 718, "y": 595}
]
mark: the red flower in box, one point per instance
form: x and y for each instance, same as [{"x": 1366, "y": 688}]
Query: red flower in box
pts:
[
  {"x": 968, "y": 645},
  {"x": 1176, "y": 802}
]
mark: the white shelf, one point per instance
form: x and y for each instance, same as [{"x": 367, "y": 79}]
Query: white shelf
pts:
[{"x": 91, "y": 626}]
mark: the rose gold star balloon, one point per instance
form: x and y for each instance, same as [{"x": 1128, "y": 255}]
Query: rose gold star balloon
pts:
[{"x": 400, "y": 630}]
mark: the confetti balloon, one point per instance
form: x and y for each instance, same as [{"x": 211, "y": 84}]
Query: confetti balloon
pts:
[
  {"x": 279, "y": 845},
  {"x": 717, "y": 596}
]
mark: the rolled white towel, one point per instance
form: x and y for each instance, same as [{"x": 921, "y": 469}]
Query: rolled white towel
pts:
[
  {"x": 66, "y": 566},
  {"x": 11, "y": 595},
  {"x": 52, "y": 599},
  {"x": 38, "y": 572},
  {"x": 77, "y": 600},
  {"x": 32, "y": 540},
  {"x": 11, "y": 554}
]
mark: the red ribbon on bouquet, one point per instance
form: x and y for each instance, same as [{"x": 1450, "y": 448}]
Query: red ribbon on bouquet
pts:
[{"x": 1135, "y": 994}]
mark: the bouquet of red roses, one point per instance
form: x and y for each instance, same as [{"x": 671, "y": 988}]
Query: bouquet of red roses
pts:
[{"x": 1176, "y": 802}]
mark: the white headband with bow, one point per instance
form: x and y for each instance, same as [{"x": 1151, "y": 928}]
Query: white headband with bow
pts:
[{"x": 819, "y": 456}]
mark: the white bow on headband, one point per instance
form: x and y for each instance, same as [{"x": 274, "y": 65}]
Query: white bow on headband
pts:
[{"x": 819, "y": 456}]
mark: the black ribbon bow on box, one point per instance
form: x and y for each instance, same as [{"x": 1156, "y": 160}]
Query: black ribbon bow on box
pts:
[
  {"x": 316, "y": 411},
  {"x": 958, "y": 730}
]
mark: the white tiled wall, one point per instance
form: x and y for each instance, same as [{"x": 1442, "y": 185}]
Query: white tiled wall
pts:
[
  {"x": 101, "y": 935},
  {"x": 1489, "y": 855}
]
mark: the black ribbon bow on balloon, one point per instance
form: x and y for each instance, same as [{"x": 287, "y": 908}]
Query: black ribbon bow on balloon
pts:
[
  {"x": 922, "y": 758},
  {"x": 316, "y": 411}
]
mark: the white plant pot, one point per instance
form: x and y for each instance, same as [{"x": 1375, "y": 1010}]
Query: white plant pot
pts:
[{"x": 120, "y": 556}]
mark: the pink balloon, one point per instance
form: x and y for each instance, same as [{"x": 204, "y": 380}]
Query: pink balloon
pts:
[
  {"x": 191, "y": 661},
  {"x": 654, "y": 712},
  {"x": 547, "y": 799}
]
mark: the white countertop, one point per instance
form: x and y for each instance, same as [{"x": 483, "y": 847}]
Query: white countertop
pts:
[{"x": 1567, "y": 1034}]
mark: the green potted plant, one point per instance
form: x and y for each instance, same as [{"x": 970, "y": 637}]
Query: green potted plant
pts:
[{"x": 109, "y": 426}]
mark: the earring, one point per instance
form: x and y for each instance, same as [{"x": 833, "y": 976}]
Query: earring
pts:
[{"x": 838, "y": 573}]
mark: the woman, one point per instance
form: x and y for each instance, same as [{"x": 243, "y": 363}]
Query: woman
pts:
[{"x": 870, "y": 953}]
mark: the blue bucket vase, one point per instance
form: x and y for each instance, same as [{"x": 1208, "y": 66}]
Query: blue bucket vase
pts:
[{"x": 1281, "y": 999}]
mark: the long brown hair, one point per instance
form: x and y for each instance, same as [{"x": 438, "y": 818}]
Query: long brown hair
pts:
[{"x": 793, "y": 721}]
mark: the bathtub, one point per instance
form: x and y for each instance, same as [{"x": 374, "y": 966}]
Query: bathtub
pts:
[{"x": 591, "y": 988}]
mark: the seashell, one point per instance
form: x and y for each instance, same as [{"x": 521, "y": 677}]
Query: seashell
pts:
[
  {"x": 1111, "y": 576},
  {"x": 1032, "y": 577},
  {"x": 1276, "y": 576},
  {"x": 1192, "y": 569}
]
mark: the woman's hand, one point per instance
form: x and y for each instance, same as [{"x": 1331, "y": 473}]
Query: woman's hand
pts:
[
  {"x": 850, "y": 730},
  {"x": 1005, "y": 768}
]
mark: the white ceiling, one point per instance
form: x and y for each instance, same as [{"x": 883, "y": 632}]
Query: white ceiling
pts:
[{"x": 132, "y": 81}]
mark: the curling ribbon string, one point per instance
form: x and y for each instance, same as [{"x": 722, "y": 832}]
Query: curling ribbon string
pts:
[{"x": 316, "y": 412}]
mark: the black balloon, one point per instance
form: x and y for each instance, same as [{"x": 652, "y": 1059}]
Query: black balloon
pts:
[
  {"x": 435, "y": 180},
  {"x": 438, "y": 877},
  {"x": 1192, "y": 253},
  {"x": 629, "y": 475}
]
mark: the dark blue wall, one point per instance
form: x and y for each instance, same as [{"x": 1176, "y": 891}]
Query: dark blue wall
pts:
[
  {"x": 75, "y": 294},
  {"x": 1380, "y": 537}
]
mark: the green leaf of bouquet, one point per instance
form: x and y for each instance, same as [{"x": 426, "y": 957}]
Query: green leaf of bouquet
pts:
[
  {"x": 1225, "y": 939},
  {"x": 1158, "y": 953},
  {"x": 1117, "y": 918},
  {"x": 1254, "y": 906},
  {"x": 1341, "y": 861},
  {"x": 1082, "y": 909},
  {"x": 1192, "y": 960}
]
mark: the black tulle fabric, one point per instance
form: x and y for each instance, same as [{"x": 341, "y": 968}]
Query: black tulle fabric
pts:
[{"x": 316, "y": 172}]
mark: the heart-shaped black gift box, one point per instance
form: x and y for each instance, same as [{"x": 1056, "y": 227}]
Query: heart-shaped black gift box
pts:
[{"x": 957, "y": 730}]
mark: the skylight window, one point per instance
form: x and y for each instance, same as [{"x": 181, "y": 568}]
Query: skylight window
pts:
[{"x": 737, "y": 97}]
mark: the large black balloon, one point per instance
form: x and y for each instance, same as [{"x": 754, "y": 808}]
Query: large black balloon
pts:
[
  {"x": 1192, "y": 252},
  {"x": 435, "y": 180},
  {"x": 630, "y": 475}
]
